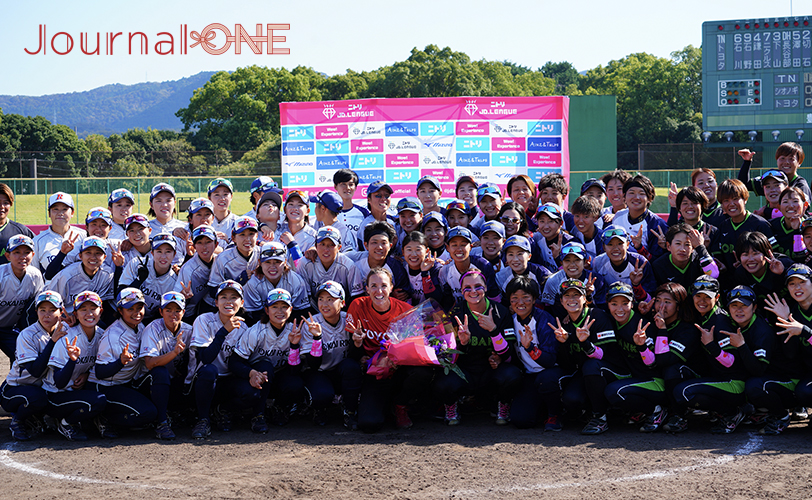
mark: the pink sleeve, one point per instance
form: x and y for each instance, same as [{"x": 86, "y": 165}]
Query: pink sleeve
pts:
[
  {"x": 597, "y": 354},
  {"x": 661, "y": 345},
  {"x": 293, "y": 357},
  {"x": 726, "y": 359},
  {"x": 648, "y": 357},
  {"x": 315, "y": 349}
]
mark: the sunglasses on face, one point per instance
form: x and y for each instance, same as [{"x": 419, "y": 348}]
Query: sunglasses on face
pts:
[{"x": 510, "y": 220}]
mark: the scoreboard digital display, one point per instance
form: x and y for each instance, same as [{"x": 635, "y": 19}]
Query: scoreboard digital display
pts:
[{"x": 757, "y": 74}]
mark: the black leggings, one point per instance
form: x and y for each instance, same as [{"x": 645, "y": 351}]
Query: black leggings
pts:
[
  {"x": 724, "y": 396},
  {"x": 538, "y": 391},
  {"x": 407, "y": 384},
  {"x": 636, "y": 395}
]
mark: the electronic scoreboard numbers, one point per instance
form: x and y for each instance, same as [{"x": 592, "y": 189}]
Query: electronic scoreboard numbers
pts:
[{"x": 757, "y": 74}]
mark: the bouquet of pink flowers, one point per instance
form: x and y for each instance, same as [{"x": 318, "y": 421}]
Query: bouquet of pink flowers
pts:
[{"x": 422, "y": 336}]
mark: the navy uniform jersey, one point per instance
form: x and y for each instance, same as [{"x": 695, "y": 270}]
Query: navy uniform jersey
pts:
[
  {"x": 767, "y": 284},
  {"x": 153, "y": 287},
  {"x": 475, "y": 354},
  {"x": 353, "y": 217},
  {"x": 258, "y": 288},
  {"x": 16, "y": 295},
  {"x": 262, "y": 342},
  {"x": 606, "y": 270},
  {"x": 534, "y": 271},
  {"x": 425, "y": 286},
  {"x": 543, "y": 338},
  {"x": 30, "y": 343},
  {"x": 9, "y": 230},
  {"x": 634, "y": 360},
  {"x": 111, "y": 345},
  {"x": 399, "y": 276},
  {"x": 88, "y": 350},
  {"x": 343, "y": 271},
  {"x": 665, "y": 271},
  {"x": 714, "y": 215},
  {"x": 157, "y": 340},
  {"x": 571, "y": 353},
  {"x": 450, "y": 279},
  {"x": 230, "y": 264},
  {"x": 723, "y": 246},
  {"x": 73, "y": 280},
  {"x": 649, "y": 221},
  {"x": 335, "y": 341},
  {"x": 196, "y": 272},
  {"x": 204, "y": 329},
  {"x": 542, "y": 254},
  {"x": 749, "y": 360},
  {"x": 48, "y": 243},
  {"x": 677, "y": 344},
  {"x": 787, "y": 241}
]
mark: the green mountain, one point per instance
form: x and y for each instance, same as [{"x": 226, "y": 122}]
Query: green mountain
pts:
[{"x": 112, "y": 108}]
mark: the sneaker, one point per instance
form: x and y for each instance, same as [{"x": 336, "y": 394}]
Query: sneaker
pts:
[
  {"x": 655, "y": 420},
  {"x": 676, "y": 423},
  {"x": 596, "y": 425},
  {"x": 280, "y": 415},
  {"x": 775, "y": 425},
  {"x": 259, "y": 425},
  {"x": 728, "y": 423},
  {"x": 452, "y": 416},
  {"x": 350, "y": 420},
  {"x": 757, "y": 419},
  {"x": 106, "y": 430},
  {"x": 202, "y": 429},
  {"x": 402, "y": 420},
  {"x": 553, "y": 424},
  {"x": 222, "y": 418},
  {"x": 71, "y": 432},
  {"x": 18, "y": 430},
  {"x": 800, "y": 413},
  {"x": 636, "y": 419},
  {"x": 35, "y": 426},
  {"x": 164, "y": 431},
  {"x": 502, "y": 413},
  {"x": 320, "y": 416}
]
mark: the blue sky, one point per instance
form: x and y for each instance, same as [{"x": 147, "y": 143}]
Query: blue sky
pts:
[{"x": 332, "y": 36}]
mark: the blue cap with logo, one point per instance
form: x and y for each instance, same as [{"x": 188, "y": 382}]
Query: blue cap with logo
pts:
[
  {"x": 574, "y": 248},
  {"x": 229, "y": 285},
  {"x": 330, "y": 232},
  {"x": 129, "y": 297},
  {"x": 593, "y": 182},
  {"x": 244, "y": 223},
  {"x": 463, "y": 232},
  {"x": 274, "y": 250},
  {"x": 434, "y": 216},
  {"x": 120, "y": 194},
  {"x": 163, "y": 239},
  {"x": 160, "y": 188},
  {"x": 552, "y": 210},
  {"x": 488, "y": 189},
  {"x": 278, "y": 295},
  {"x": 431, "y": 180},
  {"x": 49, "y": 296},
  {"x": 409, "y": 203},
  {"x": 91, "y": 242},
  {"x": 199, "y": 204},
  {"x": 204, "y": 231},
  {"x": 492, "y": 226},
  {"x": 19, "y": 240},
  {"x": 517, "y": 241},
  {"x": 330, "y": 200},
  {"x": 99, "y": 213},
  {"x": 613, "y": 231},
  {"x": 219, "y": 182},
  {"x": 139, "y": 219},
  {"x": 257, "y": 183},
  {"x": 333, "y": 288},
  {"x": 173, "y": 297},
  {"x": 377, "y": 186},
  {"x": 87, "y": 296}
]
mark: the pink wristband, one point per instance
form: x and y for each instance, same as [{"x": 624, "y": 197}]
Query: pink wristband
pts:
[
  {"x": 315, "y": 349},
  {"x": 726, "y": 359},
  {"x": 648, "y": 357},
  {"x": 293, "y": 357}
]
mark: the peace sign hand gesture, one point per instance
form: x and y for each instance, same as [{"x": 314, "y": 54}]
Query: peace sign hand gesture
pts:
[
  {"x": 73, "y": 351},
  {"x": 637, "y": 239},
  {"x": 69, "y": 243},
  {"x": 673, "y": 191},
  {"x": 527, "y": 336},
  {"x": 428, "y": 263},
  {"x": 357, "y": 332},
  {"x": 582, "y": 332},
  {"x": 116, "y": 255},
  {"x": 636, "y": 276},
  {"x": 186, "y": 290},
  {"x": 776, "y": 266},
  {"x": 555, "y": 248},
  {"x": 746, "y": 154},
  {"x": 640, "y": 335},
  {"x": 695, "y": 237},
  {"x": 313, "y": 326},
  {"x": 295, "y": 334},
  {"x": 590, "y": 285},
  {"x": 561, "y": 335},
  {"x": 463, "y": 333},
  {"x": 660, "y": 236}
]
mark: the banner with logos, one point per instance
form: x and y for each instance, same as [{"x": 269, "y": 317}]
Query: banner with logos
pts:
[{"x": 400, "y": 140}]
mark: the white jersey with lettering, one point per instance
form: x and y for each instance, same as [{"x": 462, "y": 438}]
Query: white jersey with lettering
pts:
[
  {"x": 111, "y": 344},
  {"x": 157, "y": 340},
  {"x": 231, "y": 265},
  {"x": 88, "y": 350},
  {"x": 225, "y": 226},
  {"x": 262, "y": 342},
  {"x": 153, "y": 287},
  {"x": 16, "y": 294},
  {"x": 335, "y": 341},
  {"x": 73, "y": 256},
  {"x": 196, "y": 272},
  {"x": 258, "y": 287},
  {"x": 352, "y": 217},
  {"x": 204, "y": 329},
  {"x": 73, "y": 280},
  {"x": 30, "y": 343},
  {"x": 343, "y": 271},
  {"x": 48, "y": 243}
]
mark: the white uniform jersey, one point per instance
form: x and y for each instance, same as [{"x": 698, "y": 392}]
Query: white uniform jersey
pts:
[
  {"x": 88, "y": 350},
  {"x": 348, "y": 240},
  {"x": 225, "y": 226},
  {"x": 506, "y": 274},
  {"x": 261, "y": 342},
  {"x": 343, "y": 271},
  {"x": 305, "y": 238},
  {"x": 529, "y": 363},
  {"x": 152, "y": 287},
  {"x": 204, "y": 329},
  {"x": 170, "y": 226},
  {"x": 335, "y": 341},
  {"x": 111, "y": 345},
  {"x": 196, "y": 272},
  {"x": 257, "y": 290},
  {"x": 353, "y": 217},
  {"x": 112, "y": 244},
  {"x": 30, "y": 343},
  {"x": 16, "y": 294},
  {"x": 251, "y": 213},
  {"x": 48, "y": 243},
  {"x": 117, "y": 232},
  {"x": 73, "y": 280},
  {"x": 231, "y": 265},
  {"x": 157, "y": 340},
  {"x": 449, "y": 275}
]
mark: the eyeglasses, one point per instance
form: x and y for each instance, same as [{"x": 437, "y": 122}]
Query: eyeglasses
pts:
[
  {"x": 510, "y": 220},
  {"x": 475, "y": 288}
]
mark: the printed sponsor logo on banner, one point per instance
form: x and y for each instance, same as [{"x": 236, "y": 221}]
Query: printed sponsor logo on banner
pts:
[
  {"x": 298, "y": 179},
  {"x": 436, "y": 160},
  {"x": 402, "y": 145},
  {"x": 402, "y": 175},
  {"x": 428, "y": 129},
  {"x": 401, "y": 190},
  {"x": 508, "y": 159},
  {"x": 536, "y": 174},
  {"x": 473, "y": 159},
  {"x": 331, "y": 132},
  {"x": 366, "y": 161},
  {"x": 366, "y": 146},
  {"x": 497, "y": 108},
  {"x": 507, "y": 144},
  {"x": 442, "y": 144},
  {"x": 442, "y": 174},
  {"x": 473, "y": 128},
  {"x": 471, "y": 107},
  {"x": 543, "y": 159},
  {"x": 473, "y": 144},
  {"x": 404, "y": 160},
  {"x": 544, "y": 128},
  {"x": 502, "y": 175},
  {"x": 369, "y": 176},
  {"x": 366, "y": 130},
  {"x": 297, "y": 133},
  {"x": 298, "y": 148},
  {"x": 513, "y": 129},
  {"x": 401, "y": 129},
  {"x": 544, "y": 144},
  {"x": 329, "y": 111},
  {"x": 325, "y": 162},
  {"x": 332, "y": 147},
  {"x": 299, "y": 164}
]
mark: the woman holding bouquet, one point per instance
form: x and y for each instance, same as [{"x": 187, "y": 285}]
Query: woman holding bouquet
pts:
[{"x": 488, "y": 343}]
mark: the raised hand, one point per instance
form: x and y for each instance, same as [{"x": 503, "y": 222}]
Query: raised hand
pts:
[
  {"x": 527, "y": 336},
  {"x": 116, "y": 255},
  {"x": 186, "y": 290},
  {"x": 776, "y": 266},
  {"x": 746, "y": 154},
  {"x": 126, "y": 246},
  {"x": 59, "y": 332},
  {"x": 561, "y": 335},
  {"x": 660, "y": 235},
  {"x": 69, "y": 243},
  {"x": 736, "y": 338},
  {"x": 485, "y": 321},
  {"x": 190, "y": 247},
  {"x": 463, "y": 333},
  {"x": 232, "y": 323},
  {"x": 659, "y": 319},
  {"x": 555, "y": 248},
  {"x": 640, "y": 335},
  {"x": 776, "y": 306},
  {"x": 636, "y": 276},
  {"x": 791, "y": 328},
  {"x": 673, "y": 191},
  {"x": 637, "y": 239},
  {"x": 582, "y": 332},
  {"x": 73, "y": 351},
  {"x": 357, "y": 332},
  {"x": 706, "y": 232},
  {"x": 256, "y": 379},
  {"x": 428, "y": 263},
  {"x": 267, "y": 234},
  {"x": 590, "y": 285},
  {"x": 295, "y": 334},
  {"x": 179, "y": 345},
  {"x": 645, "y": 307},
  {"x": 696, "y": 237},
  {"x": 181, "y": 233},
  {"x": 313, "y": 326},
  {"x": 705, "y": 335},
  {"x": 286, "y": 237},
  {"x": 126, "y": 356}
]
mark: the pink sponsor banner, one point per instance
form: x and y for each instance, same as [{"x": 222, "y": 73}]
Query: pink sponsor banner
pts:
[
  {"x": 473, "y": 128},
  {"x": 543, "y": 159},
  {"x": 442, "y": 174},
  {"x": 403, "y": 160},
  {"x": 366, "y": 146},
  {"x": 332, "y": 132},
  {"x": 402, "y": 190},
  {"x": 508, "y": 144},
  {"x": 449, "y": 190}
]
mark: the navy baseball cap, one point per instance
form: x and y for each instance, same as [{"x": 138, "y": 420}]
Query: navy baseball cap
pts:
[
  {"x": 552, "y": 210},
  {"x": 743, "y": 294},
  {"x": 573, "y": 248},
  {"x": 517, "y": 241},
  {"x": 199, "y": 204},
  {"x": 257, "y": 183},
  {"x": 139, "y": 219},
  {"x": 799, "y": 271},
  {"x": 297, "y": 193},
  {"x": 593, "y": 182},
  {"x": 278, "y": 295},
  {"x": 429, "y": 178},
  {"x": 613, "y": 231},
  {"x": 434, "y": 216},
  {"x": 230, "y": 285},
  {"x": 19, "y": 240},
  {"x": 572, "y": 284},
  {"x": 243, "y": 223},
  {"x": 619, "y": 289},
  {"x": 274, "y": 250},
  {"x": 333, "y": 288},
  {"x": 271, "y": 196},
  {"x": 460, "y": 231},
  {"x": 129, "y": 297},
  {"x": 219, "y": 182},
  {"x": 329, "y": 199},
  {"x": 377, "y": 186},
  {"x": 494, "y": 226},
  {"x": 120, "y": 194},
  {"x": 705, "y": 284},
  {"x": 466, "y": 178},
  {"x": 173, "y": 297},
  {"x": 488, "y": 189},
  {"x": 163, "y": 239},
  {"x": 99, "y": 213},
  {"x": 458, "y": 205},
  {"x": 328, "y": 232},
  {"x": 204, "y": 231},
  {"x": 775, "y": 174},
  {"x": 159, "y": 188},
  {"x": 409, "y": 203}
]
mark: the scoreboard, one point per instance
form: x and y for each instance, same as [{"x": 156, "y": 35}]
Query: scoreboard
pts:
[{"x": 757, "y": 74}]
